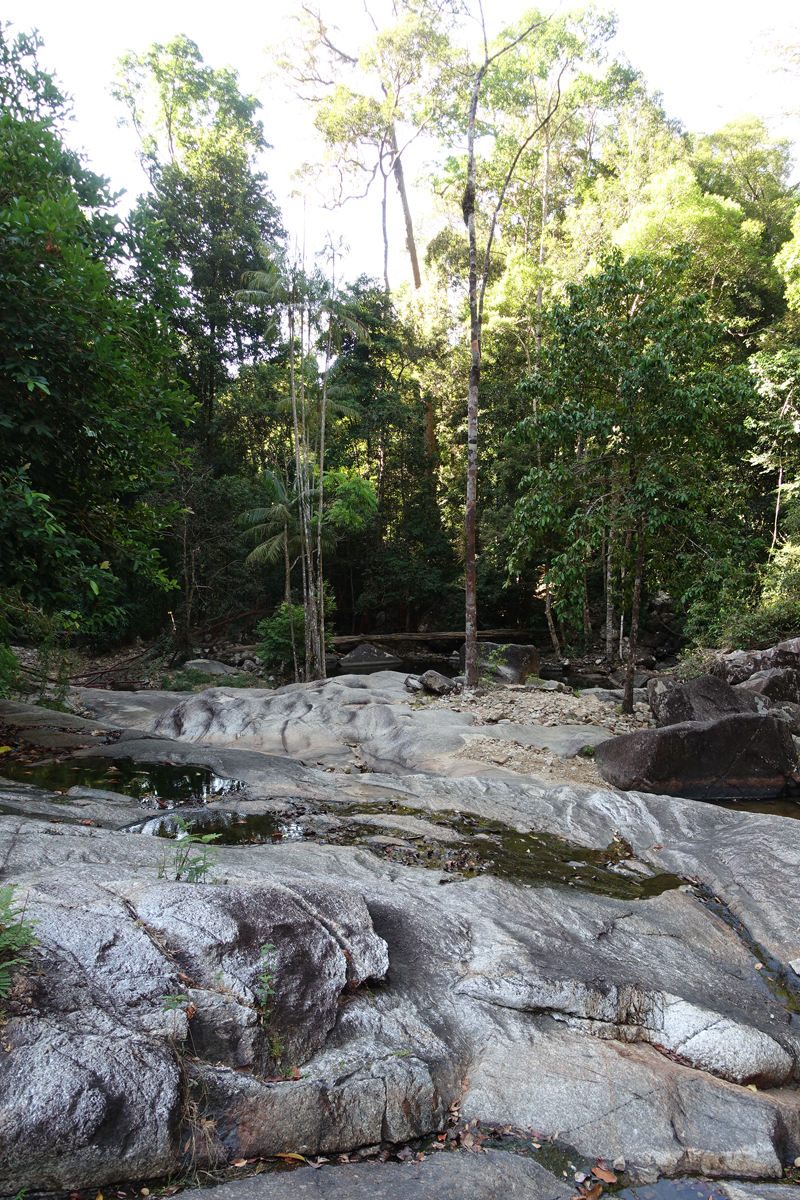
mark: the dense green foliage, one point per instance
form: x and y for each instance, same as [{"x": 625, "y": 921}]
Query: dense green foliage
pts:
[
  {"x": 89, "y": 403},
  {"x": 638, "y": 416},
  {"x": 197, "y": 428}
]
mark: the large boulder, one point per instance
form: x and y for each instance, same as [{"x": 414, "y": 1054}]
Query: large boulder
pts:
[
  {"x": 366, "y": 658},
  {"x": 209, "y": 666},
  {"x": 505, "y": 663},
  {"x": 742, "y": 756},
  {"x": 775, "y": 683},
  {"x": 739, "y": 665},
  {"x": 706, "y": 698}
]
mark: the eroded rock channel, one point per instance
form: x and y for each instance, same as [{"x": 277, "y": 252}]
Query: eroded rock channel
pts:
[{"x": 364, "y": 955}]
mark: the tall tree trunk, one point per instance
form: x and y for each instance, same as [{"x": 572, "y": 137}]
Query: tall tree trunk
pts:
[
  {"x": 627, "y": 700},
  {"x": 298, "y": 424},
  {"x": 385, "y": 229},
  {"x": 542, "y": 244},
  {"x": 288, "y": 591},
  {"x": 430, "y": 431},
  {"x": 323, "y": 415},
  {"x": 587, "y": 624},
  {"x": 548, "y": 612},
  {"x": 622, "y": 590},
  {"x": 609, "y": 581},
  {"x": 399, "y": 179},
  {"x": 310, "y": 596},
  {"x": 468, "y": 208}
]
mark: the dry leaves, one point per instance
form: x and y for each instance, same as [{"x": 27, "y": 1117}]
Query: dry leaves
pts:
[{"x": 604, "y": 1174}]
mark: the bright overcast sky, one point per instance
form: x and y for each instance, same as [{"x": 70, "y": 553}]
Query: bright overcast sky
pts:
[{"x": 705, "y": 56}]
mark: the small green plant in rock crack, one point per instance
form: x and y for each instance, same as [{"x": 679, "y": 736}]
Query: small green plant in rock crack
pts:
[
  {"x": 185, "y": 865},
  {"x": 171, "y": 1003},
  {"x": 265, "y": 980},
  {"x": 276, "y": 1046},
  {"x": 16, "y": 937}
]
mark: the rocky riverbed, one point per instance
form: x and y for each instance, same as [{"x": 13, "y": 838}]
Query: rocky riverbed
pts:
[{"x": 391, "y": 955}]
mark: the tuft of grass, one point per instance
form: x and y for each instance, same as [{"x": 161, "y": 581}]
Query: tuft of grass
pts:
[{"x": 16, "y": 937}]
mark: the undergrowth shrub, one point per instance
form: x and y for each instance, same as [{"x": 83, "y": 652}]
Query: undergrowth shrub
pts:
[{"x": 275, "y": 634}]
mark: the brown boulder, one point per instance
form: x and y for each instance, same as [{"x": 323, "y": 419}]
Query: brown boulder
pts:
[
  {"x": 742, "y": 756},
  {"x": 706, "y": 698}
]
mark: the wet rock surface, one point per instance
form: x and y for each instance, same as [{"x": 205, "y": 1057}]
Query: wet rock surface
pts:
[{"x": 313, "y": 996}]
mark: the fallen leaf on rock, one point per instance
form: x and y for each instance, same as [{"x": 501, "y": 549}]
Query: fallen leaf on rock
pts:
[
  {"x": 190, "y": 1010},
  {"x": 239, "y": 1162},
  {"x": 4, "y": 749},
  {"x": 293, "y": 1157},
  {"x": 605, "y": 1175},
  {"x": 595, "y": 1192},
  {"x": 295, "y": 1073},
  {"x": 467, "y": 1140},
  {"x": 99, "y": 1196}
]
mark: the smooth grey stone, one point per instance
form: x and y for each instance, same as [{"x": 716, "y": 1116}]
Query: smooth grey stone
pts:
[
  {"x": 496, "y": 1175},
  {"x": 209, "y": 666}
]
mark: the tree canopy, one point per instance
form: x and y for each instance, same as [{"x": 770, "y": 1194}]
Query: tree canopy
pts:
[{"x": 595, "y": 354}]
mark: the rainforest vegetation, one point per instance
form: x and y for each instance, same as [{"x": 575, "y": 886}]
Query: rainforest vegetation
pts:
[{"x": 585, "y": 392}]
